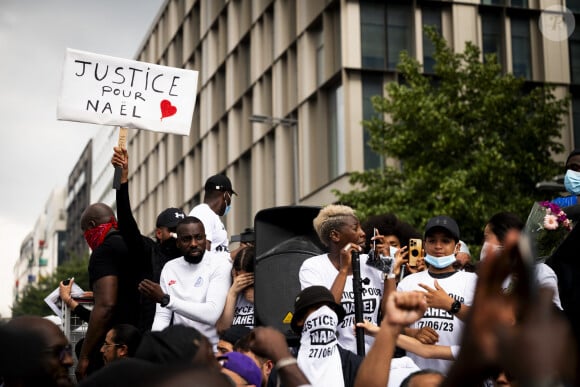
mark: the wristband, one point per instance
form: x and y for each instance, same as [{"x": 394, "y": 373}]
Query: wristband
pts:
[{"x": 285, "y": 362}]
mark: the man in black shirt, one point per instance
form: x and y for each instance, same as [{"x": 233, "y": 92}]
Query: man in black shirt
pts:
[
  {"x": 152, "y": 255},
  {"x": 112, "y": 280}
]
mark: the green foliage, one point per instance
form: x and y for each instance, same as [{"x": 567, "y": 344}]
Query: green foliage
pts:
[
  {"x": 471, "y": 142},
  {"x": 32, "y": 300}
]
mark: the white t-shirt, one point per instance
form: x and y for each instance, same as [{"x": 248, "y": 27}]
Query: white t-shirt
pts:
[
  {"x": 545, "y": 278},
  {"x": 215, "y": 231},
  {"x": 318, "y": 356},
  {"x": 319, "y": 270},
  {"x": 459, "y": 285},
  {"x": 243, "y": 312},
  {"x": 197, "y": 293},
  {"x": 401, "y": 367}
]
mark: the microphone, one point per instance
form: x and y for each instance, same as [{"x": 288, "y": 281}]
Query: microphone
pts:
[{"x": 358, "y": 307}]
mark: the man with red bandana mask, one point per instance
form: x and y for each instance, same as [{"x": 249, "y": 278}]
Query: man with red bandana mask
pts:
[{"x": 112, "y": 281}]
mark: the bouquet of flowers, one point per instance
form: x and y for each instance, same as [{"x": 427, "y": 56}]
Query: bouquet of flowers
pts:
[{"x": 547, "y": 226}]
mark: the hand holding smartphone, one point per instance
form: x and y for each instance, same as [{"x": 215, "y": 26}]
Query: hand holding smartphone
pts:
[
  {"x": 415, "y": 251},
  {"x": 375, "y": 234},
  {"x": 376, "y": 260}
]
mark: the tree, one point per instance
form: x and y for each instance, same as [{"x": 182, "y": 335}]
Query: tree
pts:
[
  {"x": 471, "y": 142},
  {"x": 32, "y": 300}
]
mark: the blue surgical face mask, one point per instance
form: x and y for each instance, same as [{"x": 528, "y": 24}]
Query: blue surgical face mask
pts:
[
  {"x": 440, "y": 262},
  {"x": 572, "y": 182},
  {"x": 228, "y": 205}
]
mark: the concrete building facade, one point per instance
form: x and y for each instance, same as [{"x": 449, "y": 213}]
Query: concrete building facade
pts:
[
  {"x": 22, "y": 268},
  {"x": 102, "y": 182},
  {"x": 44, "y": 248},
  {"x": 285, "y": 84},
  {"x": 78, "y": 197}
]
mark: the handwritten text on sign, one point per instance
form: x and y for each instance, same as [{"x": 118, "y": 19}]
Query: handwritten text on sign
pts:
[{"x": 106, "y": 90}]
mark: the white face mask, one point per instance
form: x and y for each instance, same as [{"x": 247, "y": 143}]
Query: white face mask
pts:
[
  {"x": 440, "y": 262},
  {"x": 488, "y": 249}
]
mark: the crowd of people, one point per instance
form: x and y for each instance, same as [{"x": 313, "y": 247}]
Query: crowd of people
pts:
[{"x": 179, "y": 310}]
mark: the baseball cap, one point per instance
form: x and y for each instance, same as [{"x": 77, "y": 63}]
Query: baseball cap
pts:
[
  {"x": 242, "y": 365},
  {"x": 176, "y": 344},
  {"x": 312, "y": 296},
  {"x": 444, "y": 222},
  {"x": 169, "y": 217},
  {"x": 463, "y": 248},
  {"x": 219, "y": 183},
  {"x": 234, "y": 333}
]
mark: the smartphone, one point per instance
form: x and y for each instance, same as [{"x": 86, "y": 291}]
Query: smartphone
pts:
[
  {"x": 384, "y": 264},
  {"x": 415, "y": 251},
  {"x": 375, "y": 233}
]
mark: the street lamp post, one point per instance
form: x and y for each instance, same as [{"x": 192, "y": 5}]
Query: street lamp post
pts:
[{"x": 290, "y": 123}]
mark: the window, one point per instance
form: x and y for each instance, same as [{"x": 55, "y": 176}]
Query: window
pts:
[
  {"x": 521, "y": 51},
  {"x": 372, "y": 85},
  {"x": 386, "y": 30},
  {"x": 373, "y": 39},
  {"x": 492, "y": 35},
  {"x": 576, "y": 119},
  {"x": 399, "y": 32},
  {"x": 574, "y": 44},
  {"x": 337, "y": 164},
  {"x": 519, "y": 3},
  {"x": 319, "y": 36},
  {"x": 573, "y": 5},
  {"x": 493, "y": 2},
  {"x": 431, "y": 17}
]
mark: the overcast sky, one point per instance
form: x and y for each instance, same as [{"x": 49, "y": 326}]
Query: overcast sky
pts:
[{"x": 37, "y": 152}]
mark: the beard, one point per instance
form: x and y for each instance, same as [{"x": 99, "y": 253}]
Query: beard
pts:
[{"x": 195, "y": 260}]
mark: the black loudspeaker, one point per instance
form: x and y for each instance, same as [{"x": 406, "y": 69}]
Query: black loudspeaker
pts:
[{"x": 285, "y": 238}]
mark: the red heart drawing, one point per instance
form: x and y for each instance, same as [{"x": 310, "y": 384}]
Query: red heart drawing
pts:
[{"x": 167, "y": 109}]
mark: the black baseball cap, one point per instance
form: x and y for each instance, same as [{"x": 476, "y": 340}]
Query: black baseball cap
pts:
[
  {"x": 176, "y": 344},
  {"x": 310, "y": 297},
  {"x": 170, "y": 217},
  {"x": 234, "y": 333},
  {"x": 443, "y": 222},
  {"x": 219, "y": 183}
]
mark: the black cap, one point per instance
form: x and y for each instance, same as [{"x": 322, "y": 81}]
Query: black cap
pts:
[
  {"x": 444, "y": 222},
  {"x": 219, "y": 183},
  {"x": 176, "y": 344},
  {"x": 312, "y": 296},
  {"x": 170, "y": 217},
  {"x": 234, "y": 333}
]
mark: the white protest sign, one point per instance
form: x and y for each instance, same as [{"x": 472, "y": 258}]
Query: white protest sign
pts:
[{"x": 105, "y": 90}]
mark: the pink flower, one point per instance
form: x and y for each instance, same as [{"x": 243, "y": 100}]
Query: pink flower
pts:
[
  {"x": 550, "y": 222},
  {"x": 566, "y": 223}
]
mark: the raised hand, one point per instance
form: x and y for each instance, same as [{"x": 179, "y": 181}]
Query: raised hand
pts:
[{"x": 404, "y": 308}]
